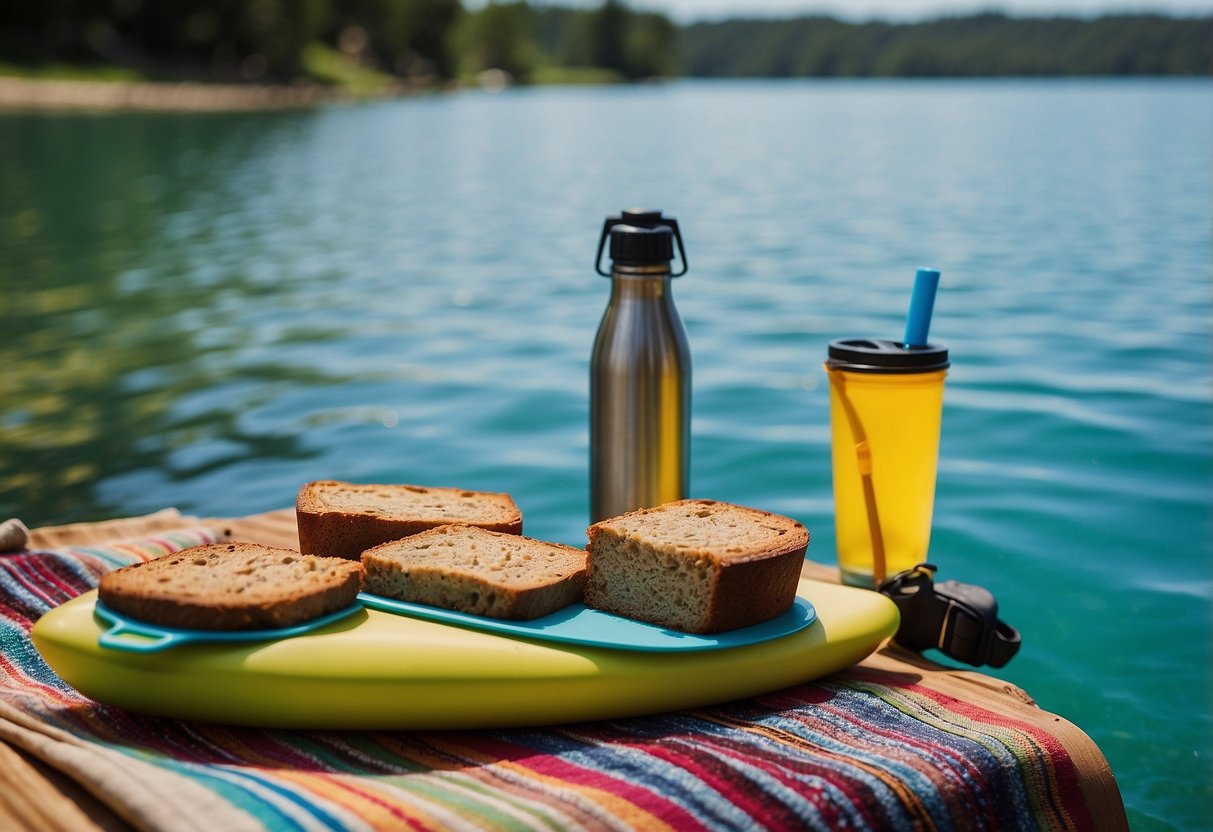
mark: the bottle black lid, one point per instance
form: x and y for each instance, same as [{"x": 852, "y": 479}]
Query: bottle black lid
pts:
[
  {"x": 868, "y": 355},
  {"x": 640, "y": 238}
]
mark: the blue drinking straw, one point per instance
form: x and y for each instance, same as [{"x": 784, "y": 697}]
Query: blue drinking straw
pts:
[{"x": 922, "y": 303}]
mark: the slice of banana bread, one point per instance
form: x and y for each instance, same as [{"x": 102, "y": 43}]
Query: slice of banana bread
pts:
[
  {"x": 232, "y": 586},
  {"x": 471, "y": 570},
  {"x": 345, "y": 519},
  {"x": 698, "y": 566}
]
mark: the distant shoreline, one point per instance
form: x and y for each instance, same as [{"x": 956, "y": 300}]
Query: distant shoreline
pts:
[
  {"x": 17, "y": 93},
  {"x": 187, "y": 96}
]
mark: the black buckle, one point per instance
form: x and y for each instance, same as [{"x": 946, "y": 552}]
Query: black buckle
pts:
[{"x": 960, "y": 620}]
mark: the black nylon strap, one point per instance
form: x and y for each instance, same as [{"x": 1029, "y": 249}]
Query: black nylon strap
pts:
[{"x": 960, "y": 620}]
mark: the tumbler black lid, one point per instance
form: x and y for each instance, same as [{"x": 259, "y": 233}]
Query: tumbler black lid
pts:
[
  {"x": 868, "y": 355},
  {"x": 640, "y": 238}
]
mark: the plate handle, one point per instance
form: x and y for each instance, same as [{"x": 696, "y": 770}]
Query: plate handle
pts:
[{"x": 145, "y": 641}]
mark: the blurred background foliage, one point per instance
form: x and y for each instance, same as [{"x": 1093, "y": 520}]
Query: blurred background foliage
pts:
[
  {"x": 371, "y": 44},
  {"x": 979, "y": 45}
]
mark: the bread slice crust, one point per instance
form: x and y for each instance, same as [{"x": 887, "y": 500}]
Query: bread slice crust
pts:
[
  {"x": 342, "y": 519},
  {"x": 697, "y": 566},
  {"x": 476, "y": 571},
  {"x": 232, "y": 586}
]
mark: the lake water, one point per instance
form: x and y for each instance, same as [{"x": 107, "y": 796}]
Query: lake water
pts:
[{"x": 205, "y": 311}]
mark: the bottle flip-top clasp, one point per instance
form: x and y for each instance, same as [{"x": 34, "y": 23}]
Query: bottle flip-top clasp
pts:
[{"x": 641, "y": 238}]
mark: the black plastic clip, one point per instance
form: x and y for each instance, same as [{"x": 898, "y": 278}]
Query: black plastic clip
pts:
[
  {"x": 960, "y": 620},
  {"x": 640, "y": 220}
]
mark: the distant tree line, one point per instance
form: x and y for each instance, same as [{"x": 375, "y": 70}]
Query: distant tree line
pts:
[
  {"x": 525, "y": 40},
  {"x": 437, "y": 40},
  {"x": 229, "y": 39},
  {"x": 980, "y": 45}
]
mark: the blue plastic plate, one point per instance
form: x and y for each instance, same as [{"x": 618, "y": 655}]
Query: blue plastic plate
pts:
[
  {"x": 135, "y": 636},
  {"x": 579, "y": 624}
]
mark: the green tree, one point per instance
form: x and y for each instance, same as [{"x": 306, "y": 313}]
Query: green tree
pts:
[
  {"x": 607, "y": 33},
  {"x": 278, "y": 30},
  {"x": 499, "y": 36},
  {"x": 562, "y": 35},
  {"x": 405, "y": 37},
  {"x": 631, "y": 44},
  {"x": 650, "y": 47}
]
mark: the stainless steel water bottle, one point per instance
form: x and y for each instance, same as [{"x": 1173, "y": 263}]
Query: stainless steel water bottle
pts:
[{"x": 640, "y": 371}]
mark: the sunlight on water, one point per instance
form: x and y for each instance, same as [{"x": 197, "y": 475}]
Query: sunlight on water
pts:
[{"x": 206, "y": 311}]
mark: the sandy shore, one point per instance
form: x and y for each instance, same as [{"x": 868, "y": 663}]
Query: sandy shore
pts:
[{"x": 26, "y": 93}]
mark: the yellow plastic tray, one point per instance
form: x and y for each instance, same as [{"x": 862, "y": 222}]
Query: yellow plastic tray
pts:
[{"x": 378, "y": 670}]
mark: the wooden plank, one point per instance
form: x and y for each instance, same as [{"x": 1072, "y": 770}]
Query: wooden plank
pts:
[{"x": 35, "y": 797}]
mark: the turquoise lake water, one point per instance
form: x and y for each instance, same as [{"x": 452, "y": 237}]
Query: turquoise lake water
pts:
[{"x": 205, "y": 311}]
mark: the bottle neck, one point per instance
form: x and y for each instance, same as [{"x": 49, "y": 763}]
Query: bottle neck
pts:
[
  {"x": 634, "y": 282},
  {"x": 646, "y": 270}
]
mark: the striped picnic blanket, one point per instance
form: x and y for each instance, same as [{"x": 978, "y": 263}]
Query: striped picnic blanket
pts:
[{"x": 865, "y": 749}]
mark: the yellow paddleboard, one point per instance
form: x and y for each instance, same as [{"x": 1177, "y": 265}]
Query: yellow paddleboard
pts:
[{"x": 380, "y": 670}]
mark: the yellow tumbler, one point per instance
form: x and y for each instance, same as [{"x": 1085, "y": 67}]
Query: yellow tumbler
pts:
[{"x": 886, "y": 403}]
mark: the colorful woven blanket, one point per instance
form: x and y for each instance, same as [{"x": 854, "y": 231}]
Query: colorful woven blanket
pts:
[{"x": 860, "y": 750}]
